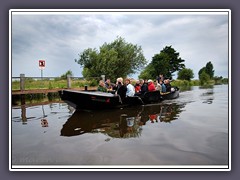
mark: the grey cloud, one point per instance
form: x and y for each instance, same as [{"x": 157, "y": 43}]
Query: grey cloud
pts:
[{"x": 60, "y": 38}]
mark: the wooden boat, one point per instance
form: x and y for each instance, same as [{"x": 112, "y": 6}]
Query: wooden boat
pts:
[
  {"x": 100, "y": 100},
  {"x": 170, "y": 95},
  {"x": 96, "y": 100}
]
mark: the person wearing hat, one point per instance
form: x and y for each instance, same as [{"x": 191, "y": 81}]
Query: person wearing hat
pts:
[{"x": 151, "y": 86}]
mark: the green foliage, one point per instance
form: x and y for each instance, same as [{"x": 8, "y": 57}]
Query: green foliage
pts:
[
  {"x": 93, "y": 82},
  {"x": 207, "y": 69},
  {"x": 204, "y": 78},
  {"x": 115, "y": 59},
  {"x": 225, "y": 80},
  {"x": 166, "y": 62},
  {"x": 185, "y": 74},
  {"x": 55, "y": 84},
  {"x": 185, "y": 85},
  {"x": 64, "y": 76},
  {"x": 50, "y": 85},
  {"x": 220, "y": 80},
  {"x": 148, "y": 72},
  {"x": 201, "y": 71}
]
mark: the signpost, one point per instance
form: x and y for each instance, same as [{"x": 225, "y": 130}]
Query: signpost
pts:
[{"x": 41, "y": 64}]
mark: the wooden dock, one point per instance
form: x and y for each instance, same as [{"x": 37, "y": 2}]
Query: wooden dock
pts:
[{"x": 45, "y": 91}]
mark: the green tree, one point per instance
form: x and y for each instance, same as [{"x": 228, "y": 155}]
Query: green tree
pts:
[
  {"x": 147, "y": 73},
  {"x": 64, "y": 76},
  {"x": 209, "y": 69},
  {"x": 116, "y": 59},
  {"x": 166, "y": 62},
  {"x": 204, "y": 78},
  {"x": 185, "y": 74},
  {"x": 201, "y": 71}
]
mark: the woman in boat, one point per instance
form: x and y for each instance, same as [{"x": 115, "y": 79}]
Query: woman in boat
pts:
[
  {"x": 121, "y": 89},
  {"x": 101, "y": 86},
  {"x": 130, "y": 88},
  {"x": 137, "y": 87}
]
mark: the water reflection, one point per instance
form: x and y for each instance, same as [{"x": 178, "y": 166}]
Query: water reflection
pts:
[
  {"x": 208, "y": 95},
  {"x": 123, "y": 123}
]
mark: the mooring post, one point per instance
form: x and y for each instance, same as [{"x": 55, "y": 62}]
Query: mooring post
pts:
[
  {"x": 68, "y": 81},
  {"x": 22, "y": 82},
  {"x": 103, "y": 77}
]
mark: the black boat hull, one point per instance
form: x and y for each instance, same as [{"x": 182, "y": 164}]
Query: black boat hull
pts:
[
  {"x": 91, "y": 100},
  {"x": 96, "y": 100}
]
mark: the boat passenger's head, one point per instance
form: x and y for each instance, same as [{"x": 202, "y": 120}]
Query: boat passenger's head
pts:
[
  {"x": 150, "y": 81},
  {"x": 127, "y": 81},
  {"x": 120, "y": 80},
  {"x": 101, "y": 83}
]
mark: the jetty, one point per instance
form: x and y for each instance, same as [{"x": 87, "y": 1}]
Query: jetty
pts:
[{"x": 46, "y": 91}]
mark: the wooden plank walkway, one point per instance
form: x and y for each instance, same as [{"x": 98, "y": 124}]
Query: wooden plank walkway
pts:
[{"x": 45, "y": 91}]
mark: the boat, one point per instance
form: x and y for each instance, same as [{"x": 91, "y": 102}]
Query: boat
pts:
[
  {"x": 170, "y": 95},
  {"x": 90, "y": 100},
  {"x": 96, "y": 100}
]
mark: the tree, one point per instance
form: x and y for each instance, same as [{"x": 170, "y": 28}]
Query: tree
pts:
[
  {"x": 204, "y": 78},
  {"x": 147, "y": 73},
  {"x": 185, "y": 74},
  {"x": 116, "y": 59},
  {"x": 201, "y": 71},
  {"x": 166, "y": 62},
  {"x": 64, "y": 76},
  {"x": 209, "y": 69}
]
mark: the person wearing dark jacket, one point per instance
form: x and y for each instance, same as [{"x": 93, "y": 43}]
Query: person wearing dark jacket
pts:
[
  {"x": 144, "y": 86},
  {"x": 121, "y": 89}
]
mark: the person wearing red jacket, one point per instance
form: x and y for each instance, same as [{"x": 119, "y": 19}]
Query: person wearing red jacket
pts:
[{"x": 151, "y": 86}]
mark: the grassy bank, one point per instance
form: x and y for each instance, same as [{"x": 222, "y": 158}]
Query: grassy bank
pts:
[
  {"x": 53, "y": 84},
  {"x": 185, "y": 85},
  {"x": 31, "y": 84}
]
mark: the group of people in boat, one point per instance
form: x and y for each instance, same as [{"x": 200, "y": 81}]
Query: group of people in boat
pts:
[{"x": 126, "y": 88}]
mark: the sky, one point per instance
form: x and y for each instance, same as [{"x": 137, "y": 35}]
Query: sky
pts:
[{"x": 59, "y": 38}]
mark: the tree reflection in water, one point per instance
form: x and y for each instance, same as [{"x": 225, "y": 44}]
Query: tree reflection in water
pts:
[{"x": 121, "y": 123}]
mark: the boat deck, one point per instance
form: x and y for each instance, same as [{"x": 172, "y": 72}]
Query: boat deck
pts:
[{"x": 97, "y": 93}]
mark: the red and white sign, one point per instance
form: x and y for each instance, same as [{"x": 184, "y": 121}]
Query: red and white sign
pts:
[{"x": 41, "y": 64}]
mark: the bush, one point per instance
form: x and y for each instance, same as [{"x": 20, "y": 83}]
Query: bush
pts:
[
  {"x": 185, "y": 74},
  {"x": 204, "y": 78}
]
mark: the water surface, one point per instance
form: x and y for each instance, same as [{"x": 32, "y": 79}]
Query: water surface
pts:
[{"x": 190, "y": 130}]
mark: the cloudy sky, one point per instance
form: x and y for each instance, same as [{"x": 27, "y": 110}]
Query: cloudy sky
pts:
[{"x": 58, "y": 38}]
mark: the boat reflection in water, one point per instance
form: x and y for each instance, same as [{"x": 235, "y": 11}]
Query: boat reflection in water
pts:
[{"x": 122, "y": 123}]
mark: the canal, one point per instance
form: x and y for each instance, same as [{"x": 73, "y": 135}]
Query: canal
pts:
[{"x": 191, "y": 130}]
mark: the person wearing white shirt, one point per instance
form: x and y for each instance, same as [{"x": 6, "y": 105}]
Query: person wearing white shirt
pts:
[{"x": 130, "y": 88}]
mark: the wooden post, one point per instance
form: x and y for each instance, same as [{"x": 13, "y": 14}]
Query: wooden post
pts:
[
  {"x": 68, "y": 81},
  {"x": 22, "y": 82},
  {"x": 103, "y": 77}
]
